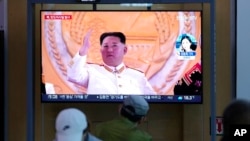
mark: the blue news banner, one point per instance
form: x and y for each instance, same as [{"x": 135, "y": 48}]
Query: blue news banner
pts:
[{"x": 239, "y": 132}]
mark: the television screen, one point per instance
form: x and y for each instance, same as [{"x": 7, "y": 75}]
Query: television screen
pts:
[{"x": 104, "y": 56}]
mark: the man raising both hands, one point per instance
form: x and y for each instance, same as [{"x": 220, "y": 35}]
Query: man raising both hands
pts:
[{"x": 111, "y": 77}]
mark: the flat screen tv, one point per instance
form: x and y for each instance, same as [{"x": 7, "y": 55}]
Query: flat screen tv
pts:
[{"x": 164, "y": 46}]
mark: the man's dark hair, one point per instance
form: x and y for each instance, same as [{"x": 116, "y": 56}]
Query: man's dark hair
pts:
[
  {"x": 116, "y": 34},
  {"x": 129, "y": 113}
]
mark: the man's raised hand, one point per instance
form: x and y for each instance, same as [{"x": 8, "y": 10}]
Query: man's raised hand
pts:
[{"x": 86, "y": 44}]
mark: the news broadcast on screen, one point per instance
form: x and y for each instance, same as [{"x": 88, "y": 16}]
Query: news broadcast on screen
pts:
[{"x": 162, "y": 56}]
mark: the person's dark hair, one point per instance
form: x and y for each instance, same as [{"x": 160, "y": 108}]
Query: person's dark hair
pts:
[
  {"x": 237, "y": 112},
  {"x": 116, "y": 34},
  {"x": 193, "y": 46},
  {"x": 129, "y": 113}
]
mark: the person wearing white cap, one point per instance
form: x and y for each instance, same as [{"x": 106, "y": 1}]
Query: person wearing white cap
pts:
[
  {"x": 71, "y": 125},
  {"x": 133, "y": 112},
  {"x": 112, "y": 76}
]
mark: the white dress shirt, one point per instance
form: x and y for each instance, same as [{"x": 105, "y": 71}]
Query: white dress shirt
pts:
[{"x": 103, "y": 79}]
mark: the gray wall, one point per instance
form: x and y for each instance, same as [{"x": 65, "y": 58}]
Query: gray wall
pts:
[{"x": 243, "y": 49}]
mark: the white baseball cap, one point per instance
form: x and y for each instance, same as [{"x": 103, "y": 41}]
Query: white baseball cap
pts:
[
  {"x": 138, "y": 103},
  {"x": 70, "y": 124}
]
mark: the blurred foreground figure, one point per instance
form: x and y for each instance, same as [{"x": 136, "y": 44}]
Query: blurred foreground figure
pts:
[
  {"x": 72, "y": 125},
  {"x": 132, "y": 112},
  {"x": 236, "y": 115}
]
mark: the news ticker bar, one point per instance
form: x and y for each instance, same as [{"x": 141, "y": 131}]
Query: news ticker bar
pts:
[{"x": 118, "y": 98}]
